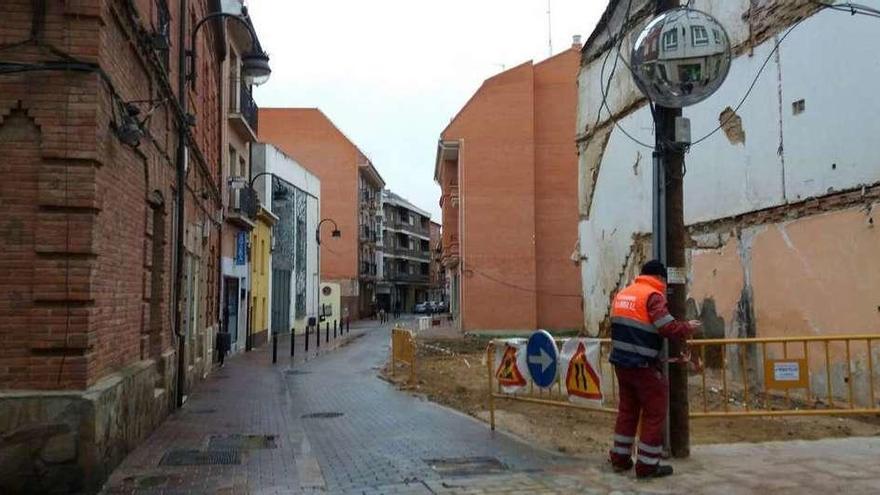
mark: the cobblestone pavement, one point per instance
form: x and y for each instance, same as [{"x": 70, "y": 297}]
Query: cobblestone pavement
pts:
[{"x": 338, "y": 429}]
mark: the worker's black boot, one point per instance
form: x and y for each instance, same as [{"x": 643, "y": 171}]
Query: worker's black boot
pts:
[
  {"x": 620, "y": 464},
  {"x": 659, "y": 471}
]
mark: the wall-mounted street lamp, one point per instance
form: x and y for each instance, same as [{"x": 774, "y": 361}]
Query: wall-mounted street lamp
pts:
[
  {"x": 336, "y": 232},
  {"x": 255, "y": 69},
  {"x": 254, "y": 64}
]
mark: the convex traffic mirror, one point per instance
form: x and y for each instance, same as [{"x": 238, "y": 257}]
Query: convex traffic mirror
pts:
[{"x": 681, "y": 57}]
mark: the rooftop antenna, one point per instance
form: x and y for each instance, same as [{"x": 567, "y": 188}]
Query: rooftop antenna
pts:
[{"x": 549, "y": 29}]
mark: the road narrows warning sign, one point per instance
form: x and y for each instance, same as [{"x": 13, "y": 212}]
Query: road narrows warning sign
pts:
[{"x": 582, "y": 382}]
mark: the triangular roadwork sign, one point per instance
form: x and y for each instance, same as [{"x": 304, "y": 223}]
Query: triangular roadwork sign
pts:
[
  {"x": 508, "y": 373},
  {"x": 581, "y": 380}
]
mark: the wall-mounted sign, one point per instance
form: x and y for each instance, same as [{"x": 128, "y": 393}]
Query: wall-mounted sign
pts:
[
  {"x": 326, "y": 290},
  {"x": 241, "y": 248}
]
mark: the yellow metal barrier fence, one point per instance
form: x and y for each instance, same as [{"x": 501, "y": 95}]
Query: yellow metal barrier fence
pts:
[
  {"x": 777, "y": 376},
  {"x": 403, "y": 350}
]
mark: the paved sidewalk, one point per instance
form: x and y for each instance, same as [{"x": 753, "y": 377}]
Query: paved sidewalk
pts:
[{"x": 336, "y": 428}]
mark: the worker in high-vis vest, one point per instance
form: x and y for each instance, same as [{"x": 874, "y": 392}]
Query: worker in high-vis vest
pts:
[{"x": 640, "y": 320}]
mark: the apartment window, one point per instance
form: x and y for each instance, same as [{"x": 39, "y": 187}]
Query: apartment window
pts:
[
  {"x": 263, "y": 256},
  {"x": 242, "y": 167},
  {"x": 699, "y": 36},
  {"x": 670, "y": 40},
  {"x": 409, "y": 219},
  {"x": 233, "y": 158},
  {"x": 717, "y": 36}
]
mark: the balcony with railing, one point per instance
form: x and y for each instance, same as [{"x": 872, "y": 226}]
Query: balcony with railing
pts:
[
  {"x": 368, "y": 270},
  {"x": 242, "y": 206},
  {"x": 422, "y": 254},
  {"x": 243, "y": 110},
  {"x": 368, "y": 235},
  {"x": 416, "y": 227},
  {"x": 369, "y": 200},
  {"x": 401, "y": 276}
]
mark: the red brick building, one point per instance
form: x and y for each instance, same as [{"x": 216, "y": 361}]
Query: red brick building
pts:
[
  {"x": 507, "y": 166},
  {"x": 350, "y": 195},
  {"x": 87, "y": 346}
]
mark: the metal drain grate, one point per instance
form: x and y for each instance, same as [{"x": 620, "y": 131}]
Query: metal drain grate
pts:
[
  {"x": 297, "y": 372},
  {"x": 186, "y": 457},
  {"x": 322, "y": 415},
  {"x": 466, "y": 466},
  {"x": 241, "y": 442}
]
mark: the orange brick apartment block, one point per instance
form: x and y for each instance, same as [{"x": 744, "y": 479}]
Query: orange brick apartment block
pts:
[
  {"x": 507, "y": 166},
  {"x": 350, "y": 188}
]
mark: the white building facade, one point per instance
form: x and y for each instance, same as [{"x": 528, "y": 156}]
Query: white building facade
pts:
[{"x": 292, "y": 194}]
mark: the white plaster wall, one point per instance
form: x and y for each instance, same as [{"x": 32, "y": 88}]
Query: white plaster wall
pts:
[
  {"x": 621, "y": 207},
  {"x": 830, "y": 60},
  {"x": 269, "y": 158},
  {"x": 313, "y": 214}
]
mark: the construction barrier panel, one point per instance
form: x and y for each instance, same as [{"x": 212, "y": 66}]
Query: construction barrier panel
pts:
[
  {"x": 777, "y": 376},
  {"x": 403, "y": 350}
]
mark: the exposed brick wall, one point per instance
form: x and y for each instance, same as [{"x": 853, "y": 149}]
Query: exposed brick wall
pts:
[
  {"x": 81, "y": 208},
  {"x": 516, "y": 214},
  {"x": 556, "y": 192}
]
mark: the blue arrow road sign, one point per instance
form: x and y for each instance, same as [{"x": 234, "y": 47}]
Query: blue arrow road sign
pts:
[{"x": 542, "y": 358}]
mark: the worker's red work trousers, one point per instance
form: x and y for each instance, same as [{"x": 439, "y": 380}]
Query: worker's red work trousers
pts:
[{"x": 643, "y": 393}]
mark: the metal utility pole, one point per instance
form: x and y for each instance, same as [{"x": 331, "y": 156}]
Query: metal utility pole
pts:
[{"x": 669, "y": 247}]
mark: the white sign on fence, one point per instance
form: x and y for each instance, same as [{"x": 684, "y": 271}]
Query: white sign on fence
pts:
[{"x": 787, "y": 371}]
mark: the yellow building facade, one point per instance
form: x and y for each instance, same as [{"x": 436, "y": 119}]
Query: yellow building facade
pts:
[{"x": 261, "y": 269}]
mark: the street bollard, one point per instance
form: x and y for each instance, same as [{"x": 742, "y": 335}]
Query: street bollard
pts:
[
  {"x": 335, "y": 322},
  {"x": 274, "y": 347},
  {"x": 347, "y": 323},
  {"x": 292, "y": 340},
  {"x": 327, "y": 332},
  {"x": 307, "y": 338}
]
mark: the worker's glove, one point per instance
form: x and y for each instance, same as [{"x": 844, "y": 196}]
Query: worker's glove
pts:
[{"x": 696, "y": 328}]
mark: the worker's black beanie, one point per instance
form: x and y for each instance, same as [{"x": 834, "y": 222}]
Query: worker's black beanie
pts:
[{"x": 654, "y": 268}]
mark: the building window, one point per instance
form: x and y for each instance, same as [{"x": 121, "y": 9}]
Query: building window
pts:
[
  {"x": 717, "y": 36},
  {"x": 670, "y": 40},
  {"x": 699, "y": 36},
  {"x": 263, "y": 256}
]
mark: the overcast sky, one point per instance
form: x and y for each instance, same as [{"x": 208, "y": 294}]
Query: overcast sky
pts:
[{"x": 392, "y": 73}]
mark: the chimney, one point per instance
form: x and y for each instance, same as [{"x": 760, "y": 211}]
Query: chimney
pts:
[{"x": 576, "y": 42}]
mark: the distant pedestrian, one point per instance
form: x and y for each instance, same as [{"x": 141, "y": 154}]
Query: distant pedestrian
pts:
[
  {"x": 640, "y": 320},
  {"x": 397, "y": 307},
  {"x": 383, "y": 317},
  {"x": 224, "y": 342}
]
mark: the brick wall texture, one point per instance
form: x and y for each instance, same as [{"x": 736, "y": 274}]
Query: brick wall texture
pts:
[
  {"x": 87, "y": 228},
  {"x": 515, "y": 224}
]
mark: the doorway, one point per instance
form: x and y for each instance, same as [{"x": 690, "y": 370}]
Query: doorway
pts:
[{"x": 230, "y": 308}]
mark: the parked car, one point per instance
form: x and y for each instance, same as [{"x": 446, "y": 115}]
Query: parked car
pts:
[
  {"x": 441, "y": 307},
  {"x": 422, "y": 308}
]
